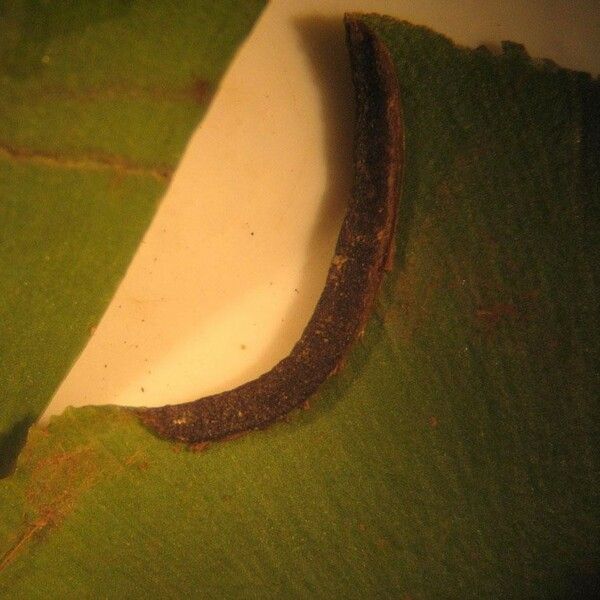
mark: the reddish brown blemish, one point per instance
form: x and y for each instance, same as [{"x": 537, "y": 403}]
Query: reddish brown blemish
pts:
[
  {"x": 381, "y": 543},
  {"x": 199, "y": 446},
  {"x": 201, "y": 90},
  {"x": 493, "y": 314}
]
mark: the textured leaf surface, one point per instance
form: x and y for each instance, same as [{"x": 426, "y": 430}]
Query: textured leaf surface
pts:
[
  {"x": 97, "y": 101},
  {"x": 454, "y": 455}
]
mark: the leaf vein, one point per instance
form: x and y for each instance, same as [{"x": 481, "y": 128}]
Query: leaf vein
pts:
[{"x": 83, "y": 163}]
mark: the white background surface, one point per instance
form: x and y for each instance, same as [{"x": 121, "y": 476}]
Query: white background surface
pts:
[{"x": 230, "y": 270}]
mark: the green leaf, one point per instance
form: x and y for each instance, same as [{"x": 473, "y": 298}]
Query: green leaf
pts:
[
  {"x": 454, "y": 456},
  {"x": 97, "y": 102}
]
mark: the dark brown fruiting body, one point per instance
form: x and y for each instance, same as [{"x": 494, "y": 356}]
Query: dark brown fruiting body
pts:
[{"x": 363, "y": 253}]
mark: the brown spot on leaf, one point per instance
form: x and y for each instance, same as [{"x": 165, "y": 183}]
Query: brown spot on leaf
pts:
[
  {"x": 198, "y": 447},
  {"x": 381, "y": 543},
  {"x": 201, "y": 90},
  {"x": 553, "y": 343},
  {"x": 493, "y": 314},
  {"x": 137, "y": 460},
  {"x": 531, "y": 295}
]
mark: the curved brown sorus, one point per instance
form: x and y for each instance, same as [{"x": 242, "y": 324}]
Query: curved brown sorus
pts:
[{"x": 363, "y": 253}]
